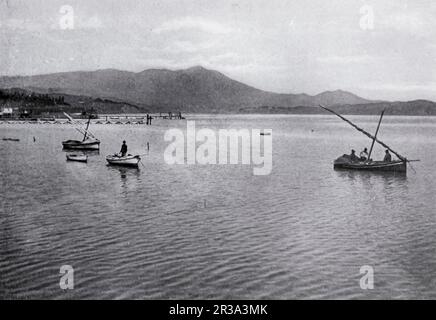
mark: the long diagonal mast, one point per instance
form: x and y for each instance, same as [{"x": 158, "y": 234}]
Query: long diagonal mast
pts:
[
  {"x": 84, "y": 132},
  {"x": 366, "y": 133}
]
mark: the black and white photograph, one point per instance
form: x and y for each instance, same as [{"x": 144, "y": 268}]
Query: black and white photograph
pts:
[{"x": 251, "y": 150}]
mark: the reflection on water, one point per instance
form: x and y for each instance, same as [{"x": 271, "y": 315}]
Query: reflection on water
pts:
[
  {"x": 125, "y": 171},
  {"x": 388, "y": 177},
  {"x": 205, "y": 231},
  {"x": 130, "y": 178},
  {"x": 87, "y": 152}
]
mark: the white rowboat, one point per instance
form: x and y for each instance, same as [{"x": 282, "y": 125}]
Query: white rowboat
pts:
[{"x": 129, "y": 160}]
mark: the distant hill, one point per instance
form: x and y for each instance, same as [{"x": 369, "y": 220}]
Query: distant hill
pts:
[
  {"x": 408, "y": 108},
  {"x": 190, "y": 90},
  {"x": 415, "y": 107},
  {"x": 338, "y": 97},
  {"x": 197, "y": 90}
]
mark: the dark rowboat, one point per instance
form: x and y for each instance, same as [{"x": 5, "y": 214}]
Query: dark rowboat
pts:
[
  {"x": 89, "y": 144},
  {"x": 343, "y": 163}
]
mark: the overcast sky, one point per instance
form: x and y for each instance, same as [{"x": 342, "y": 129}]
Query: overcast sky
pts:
[{"x": 384, "y": 49}]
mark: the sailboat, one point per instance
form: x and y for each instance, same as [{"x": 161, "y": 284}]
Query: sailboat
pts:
[
  {"x": 89, "y": 141},
  {"x": 344, "y": 162}
]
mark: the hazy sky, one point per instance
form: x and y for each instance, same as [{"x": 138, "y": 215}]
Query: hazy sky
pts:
[{"x": 384, "y": 49}]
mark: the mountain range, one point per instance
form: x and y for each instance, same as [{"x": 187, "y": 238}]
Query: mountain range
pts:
[{"x": 199, "y": 90}]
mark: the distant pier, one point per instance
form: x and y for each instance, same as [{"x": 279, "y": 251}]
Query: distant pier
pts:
[{"x": 129, "y": 119}]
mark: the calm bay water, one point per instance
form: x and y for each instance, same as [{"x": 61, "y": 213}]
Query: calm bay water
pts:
[{"x": 218, "y": 231}]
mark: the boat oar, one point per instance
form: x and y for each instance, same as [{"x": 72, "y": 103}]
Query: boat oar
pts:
[
  {"x": 411, "y": 167},
  {"x": 410, "y": 164},
  {"x": 141, "y": 163}
]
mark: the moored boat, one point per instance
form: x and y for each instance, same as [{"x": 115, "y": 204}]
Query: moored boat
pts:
[
  {"x": 89, "y": 141},
  {"x": 77, "y": 157},
  {"x": 88, "y": 144},
  {"x": 128, "y": 161}
]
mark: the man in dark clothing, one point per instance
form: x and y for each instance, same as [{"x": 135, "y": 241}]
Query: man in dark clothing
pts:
[
  {"x": 353, "y": 156},
  {"x": 364, "y": 155},
  {"x": 123, "y": 149},
  {"x": 388, "y": 157}
]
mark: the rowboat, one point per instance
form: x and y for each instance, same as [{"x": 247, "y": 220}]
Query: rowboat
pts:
[
  {"x": 345, "y": 161},
  {"x": 89, "y": 141},
  {"x": 77, "y": 157},
  {"x": 128, "y": 161}
]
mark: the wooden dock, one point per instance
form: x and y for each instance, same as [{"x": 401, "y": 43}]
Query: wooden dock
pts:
[{"x": 102, "y": 119}]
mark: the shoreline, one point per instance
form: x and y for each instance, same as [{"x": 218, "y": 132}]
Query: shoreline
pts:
[{"x": 139, "y": 120}]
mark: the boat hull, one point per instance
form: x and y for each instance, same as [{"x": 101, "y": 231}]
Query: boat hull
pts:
[
  {"x": 81, "y": 145},
  {"x": 129, "y": 161},
  {"x": 391, "y": 166},
  {"x": 78, "y": 158}
]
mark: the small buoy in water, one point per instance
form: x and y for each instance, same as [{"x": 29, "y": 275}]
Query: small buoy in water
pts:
[{"x": 34, "y": 139}]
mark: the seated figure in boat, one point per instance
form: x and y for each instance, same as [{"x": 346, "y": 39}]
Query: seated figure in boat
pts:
[
  {"x": 364, "y": 155},
  {"x": 388, "y": 157},
  {"x": 353, "y": 157},
  {"x": 123, "y": 150}
]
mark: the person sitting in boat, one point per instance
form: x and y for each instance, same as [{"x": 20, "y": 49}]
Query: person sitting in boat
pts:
[
  {"x": 123, "y": 150},
  {"x": 353, "y": 157},
  {"x": 364, "y": 155},
  {"x": 388, "y": 157}
]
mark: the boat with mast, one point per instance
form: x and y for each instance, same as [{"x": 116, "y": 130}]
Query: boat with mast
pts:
[
  {"x": 89, "y": 141},
  {"x": 345, "y": 162}
]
